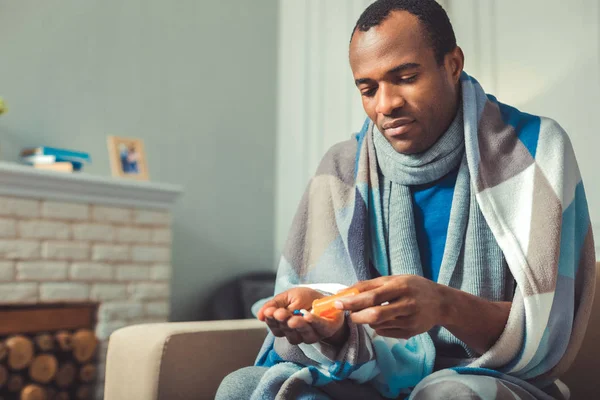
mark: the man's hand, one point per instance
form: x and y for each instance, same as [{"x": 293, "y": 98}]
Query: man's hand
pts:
[
  {"x": 415, "y": 305},
  {"x": 278, "y": 314}
]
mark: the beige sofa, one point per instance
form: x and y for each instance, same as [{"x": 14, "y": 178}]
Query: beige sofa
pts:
[{"x": 186, "y": 361}]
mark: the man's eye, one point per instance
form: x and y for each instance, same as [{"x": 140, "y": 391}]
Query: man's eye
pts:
[
  {"x": 369, "y": 92},
  {"x": 409, "y": 79}
]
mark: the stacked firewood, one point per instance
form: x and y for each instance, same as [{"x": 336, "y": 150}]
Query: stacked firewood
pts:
[{"x": 48, "y": 366}]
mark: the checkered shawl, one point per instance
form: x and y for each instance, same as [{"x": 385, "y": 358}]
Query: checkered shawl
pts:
[{"x": 528, "y": 186}]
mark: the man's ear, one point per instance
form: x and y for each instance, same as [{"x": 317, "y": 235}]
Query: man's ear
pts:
[{"x": 455, "y": 62}]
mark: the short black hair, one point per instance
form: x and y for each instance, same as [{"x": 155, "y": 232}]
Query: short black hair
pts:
[{"x": 435, "y": 21}]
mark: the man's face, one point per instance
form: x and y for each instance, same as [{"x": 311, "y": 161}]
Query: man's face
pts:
[{"x": 406, "y": 93}]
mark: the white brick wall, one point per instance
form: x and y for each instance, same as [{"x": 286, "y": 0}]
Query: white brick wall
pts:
[
  {"x": 39, "y": 229},
  {"x": 161, "y": 236},
  {"x": 105, "y": 328},
  {"x": 8, "y": 228},
  {"x": 147, "y": 217},
  {"x": 133, "y": 273},
  {"x": 149, "y": 291},
  {"x": 97, "y": 232},
  {"x": 108, "y": 291},
  {"x": 18, "y": 292},
  {"x": 120, "y": 310},
  {"x": 68, "y": 211},
  {"x": 151, "y": 254},
  {"x": 64, "y": 291},
  {"x": 113, "y": 215},
  {"x": 19, "y": 249},
  {"x": 160, "y": 273},
  {"x": 157, "y": 309},
  {"x": 66, "y": 250},
  {"x": 133, "y": 235},
  {"x": 104, "y": 252},
  {"x": 42, "y": 270},
  {"x": 151, "y": 320},
  {"x": 91, "y": 271},
  {"x": 18, "y": 207},
  {"x": 53, "y": 251},
  {"x": 7, "y": 271}
]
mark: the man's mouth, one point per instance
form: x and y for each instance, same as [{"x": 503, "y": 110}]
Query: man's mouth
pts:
[{"x": 398, "y": 126}]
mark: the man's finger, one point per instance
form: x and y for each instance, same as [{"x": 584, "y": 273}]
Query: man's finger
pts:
[
  {"x": 308, "y": 333},
  {"x": 364, "y": 286},
  {"x": 395, "y": 311},
  {"x": 374, "y": 315},
  {"x": 273, "y": 325},
  {"x": 282, "y": 315},
  {"x": 268, "y": 312},
  {"x": 261, "y": 313},
  {"x": 324, "y": 327},
  {"x": 366, "y": 299},
  {"x": 405, "y": 323}
]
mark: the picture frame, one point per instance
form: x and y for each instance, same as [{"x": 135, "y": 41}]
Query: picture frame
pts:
[{"x": 127, "y": 158}]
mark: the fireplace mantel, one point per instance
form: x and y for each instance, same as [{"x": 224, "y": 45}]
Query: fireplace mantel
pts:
[
  {"x": 80, "y": 238},
  {"x": 24, "y": 181}
]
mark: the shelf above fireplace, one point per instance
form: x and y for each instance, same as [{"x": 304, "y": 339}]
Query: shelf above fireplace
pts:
[{"x": 24, "y": 181}]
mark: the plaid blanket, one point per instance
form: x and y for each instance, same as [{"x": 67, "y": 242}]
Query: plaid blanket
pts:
[{"x": 528, "y": 186}]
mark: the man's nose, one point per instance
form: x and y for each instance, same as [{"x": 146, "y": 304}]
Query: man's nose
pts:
[{"x": 388, "y": 100}]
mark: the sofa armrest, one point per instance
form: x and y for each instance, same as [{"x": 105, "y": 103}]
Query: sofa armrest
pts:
[{"x": 178, "y": 361}]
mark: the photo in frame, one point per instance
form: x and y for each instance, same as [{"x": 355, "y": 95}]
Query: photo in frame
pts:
[{"x": 127, "y": 158}]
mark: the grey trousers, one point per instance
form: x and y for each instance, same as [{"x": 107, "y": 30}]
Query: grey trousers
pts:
[{"x": 240, "y": 385}]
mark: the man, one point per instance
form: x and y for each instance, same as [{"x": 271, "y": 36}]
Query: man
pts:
[{"x": 461, "y": 221}]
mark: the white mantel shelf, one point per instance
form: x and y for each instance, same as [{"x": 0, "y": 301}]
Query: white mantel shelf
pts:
[{"x": 24, "y": 181}]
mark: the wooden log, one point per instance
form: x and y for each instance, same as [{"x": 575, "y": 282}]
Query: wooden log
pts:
[
  {"x": 65, "y": 375},
  {"x": 15, "y": 383},
  {"x": 3, "y": 351},
  {"x": 83, "y": 392},
  {"x": 64, "y": 340},
  {"x": 43, "y": 368},
  {"x": 84, "y": 345},
  {"x": 20, "y": 352},
  {"x": 3, "y": 376},
  {"x": 33, "y": 392},
  {"x": 87, "y": 373},
  {"x": 63, "y": 396},
  {"x": 44, "y": 342}
]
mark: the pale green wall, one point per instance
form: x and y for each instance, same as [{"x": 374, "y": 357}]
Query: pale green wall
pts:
[{"x": 195, "y": 79}]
